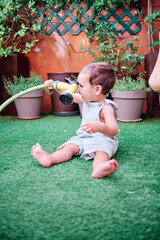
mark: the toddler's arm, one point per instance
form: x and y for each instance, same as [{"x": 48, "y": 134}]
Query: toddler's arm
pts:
[
  {"x": 107, "y": 127},
  {"x": 47, "y": 83},
  {"x": 77, "y": 98}
]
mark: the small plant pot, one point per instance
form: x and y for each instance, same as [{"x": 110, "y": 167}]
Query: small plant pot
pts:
[
  {"x": 130, "y": 105},
  {"x": 29, "y": 105}
]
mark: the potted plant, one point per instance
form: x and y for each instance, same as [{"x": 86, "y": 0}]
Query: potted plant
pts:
[
  {"x": 20, "y": 21},
  {"x": 18, "y": 27},
  {"x": 108, "y": 47},
  {"x": 58, "y": 108},
  {"x": 18, "y": 34},
  {"x": 28, "y": 106},
  {"x": 130, "y": 95},
  {"x": 123, "y": 56}
]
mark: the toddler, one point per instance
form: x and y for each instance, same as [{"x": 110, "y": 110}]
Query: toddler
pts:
[{"x": 96, "y": 136}]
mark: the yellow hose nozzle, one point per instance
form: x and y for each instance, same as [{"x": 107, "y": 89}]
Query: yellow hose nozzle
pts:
[{"x": 67, "y": 96}]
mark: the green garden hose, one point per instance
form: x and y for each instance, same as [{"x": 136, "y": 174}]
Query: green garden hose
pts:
[
  {"x": 11, "y": 99},
  {"x": 66, "y": 97}
]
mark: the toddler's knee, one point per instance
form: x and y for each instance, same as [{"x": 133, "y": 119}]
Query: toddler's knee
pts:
[{"x": 73, "y": 148}]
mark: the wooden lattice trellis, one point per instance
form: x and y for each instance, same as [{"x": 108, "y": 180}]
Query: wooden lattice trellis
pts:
[{"x": 63, "y": 19}]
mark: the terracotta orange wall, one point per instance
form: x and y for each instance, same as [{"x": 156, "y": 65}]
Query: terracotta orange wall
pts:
[
  {"x": 65, "y": 54},
  {"x": 59, "y": 57}
]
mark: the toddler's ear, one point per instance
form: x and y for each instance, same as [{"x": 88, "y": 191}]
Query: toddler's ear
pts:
[{"x": 98, "y": 89}]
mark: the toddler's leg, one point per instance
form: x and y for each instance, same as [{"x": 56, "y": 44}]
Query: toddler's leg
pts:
[
  {"x": 62, "y": 155},
  {"x": 103, "y": 166}
]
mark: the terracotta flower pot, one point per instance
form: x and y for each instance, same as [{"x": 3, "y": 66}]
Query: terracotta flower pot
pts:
[
  {"x": 130, "y": 105},
  {"x": 29, "y": 105}
]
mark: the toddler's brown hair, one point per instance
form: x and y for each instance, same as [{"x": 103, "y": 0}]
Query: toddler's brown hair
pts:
[{"x": 101, "y": 73}]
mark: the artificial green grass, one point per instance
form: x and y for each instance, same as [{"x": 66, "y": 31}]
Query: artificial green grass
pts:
[{"x": 63, "y": 202}]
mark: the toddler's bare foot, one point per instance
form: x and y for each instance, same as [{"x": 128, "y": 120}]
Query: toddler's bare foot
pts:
[
  {"x": 40, "y": 155},
  {"x": 105, "y": 169}
]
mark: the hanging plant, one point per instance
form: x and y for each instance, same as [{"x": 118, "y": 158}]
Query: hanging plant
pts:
[
  {"x": 18, "y": 28},
  {"x": 150, "y": 18},
  {"x": 20, "y": 24}
]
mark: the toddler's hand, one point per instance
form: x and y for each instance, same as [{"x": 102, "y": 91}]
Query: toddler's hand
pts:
[
  {"x": 47, "y": 83},
  {"x": 91, "y": 127}
]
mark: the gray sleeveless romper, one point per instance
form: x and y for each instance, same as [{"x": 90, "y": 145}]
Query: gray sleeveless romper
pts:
[{"x": 91, "y": 143}]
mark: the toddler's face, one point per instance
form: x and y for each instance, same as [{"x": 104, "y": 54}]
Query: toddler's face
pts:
[{"x": 86, "y": 90}]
